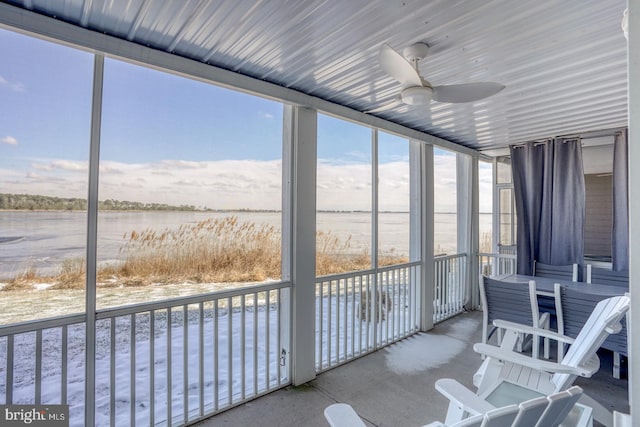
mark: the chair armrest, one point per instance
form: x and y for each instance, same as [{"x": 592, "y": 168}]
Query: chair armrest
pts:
[
  {"x": 541, "y": 365},
  {"x": 342, "y": 415},
  {"x": 462, "y": 397},
  {"x": 545, "y": 333}
]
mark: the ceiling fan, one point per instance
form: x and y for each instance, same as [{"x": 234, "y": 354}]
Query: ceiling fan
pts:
[{"x": 418, "y": 91}]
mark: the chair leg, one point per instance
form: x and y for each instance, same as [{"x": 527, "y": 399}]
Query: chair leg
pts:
[
  {"x": 600, "y": 413},
  {"x": 547, "y": 350},
  {"x": 616, "y": 365}
]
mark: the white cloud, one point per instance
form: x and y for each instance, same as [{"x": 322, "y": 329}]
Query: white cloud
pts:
[
  {"x": 9, "y": 140},
  {"x": 229, "y": 184},
  {"x": 265, "y": 115},
  {"x": 62, "y": 165},
  {"x": 14, "y": 86}
]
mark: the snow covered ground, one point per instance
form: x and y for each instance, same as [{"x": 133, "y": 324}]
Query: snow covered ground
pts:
[{"x": 227, "y": 342}]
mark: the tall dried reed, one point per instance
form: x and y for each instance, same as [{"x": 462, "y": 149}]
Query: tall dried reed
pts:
[{"x": 213, "y": 250}]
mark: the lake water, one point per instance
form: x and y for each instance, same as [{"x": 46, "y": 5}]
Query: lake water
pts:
[{"x": 44, "y": 239}]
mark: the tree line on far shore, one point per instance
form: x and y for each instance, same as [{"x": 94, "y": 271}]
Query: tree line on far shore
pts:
[{"x": 37, "y": 203}]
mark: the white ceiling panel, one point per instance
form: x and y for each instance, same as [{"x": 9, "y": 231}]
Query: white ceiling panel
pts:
[{"x": 564, "y": 63}]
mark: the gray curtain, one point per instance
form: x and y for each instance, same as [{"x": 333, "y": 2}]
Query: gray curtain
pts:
[
  {"x": 620, "y": 238},
  {"x": 548, "y": 180}
]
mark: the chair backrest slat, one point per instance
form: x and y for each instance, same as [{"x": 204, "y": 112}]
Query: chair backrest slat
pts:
[
  {"x": 605, "y": 316},
  {"x": 563, "y": 272},
  {"x": 605, "y": 276},
  {"x": 501, "y": 417},
  {"x": 576, "y": 313},
  {"x": 507, "y": 301},
  {"x": 530, "y": 412},
  {"x": 559, "y": 406}
]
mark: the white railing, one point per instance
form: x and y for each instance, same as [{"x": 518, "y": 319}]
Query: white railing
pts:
[
  {"x": 496, "y": 264},
  {"x": 170, "y": 362},
  {"x": 359, "y": 312},
  {"x": 451, "y": 290}
]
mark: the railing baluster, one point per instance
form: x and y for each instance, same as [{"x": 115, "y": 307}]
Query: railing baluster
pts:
[
  {"x": 353, "y": 316},
  {"x": 345, "y": 319},
  {"x": 216, "y": 345},
  {"x": 152, "y": 367},
  {"x": 230, "y": 351},
  {"x": 329, "y": 325},
  {"x": 338, "y": 324},
  {"x": 320, "y": 320},
  {"x": 389, "y": 290},
  {"x": 169, "y": 369},
  {"x": 112, "y": 374},
  {"x": 279, "y": 339},
  {"x": 132, "y": 370},
  {"x": 64, "y": 365},
  {"x": 185, "y": 362},
  {"x": 9, "y": 386},
  {"x": 243, "y": 344},
  {"x": 267, "y": 315},
  {"x": 255, "y": 344},
  {"x": 38, "y": 379},
  {"x": 201, "y": 358}
]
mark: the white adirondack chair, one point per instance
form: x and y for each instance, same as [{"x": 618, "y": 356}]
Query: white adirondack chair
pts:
[
  {"x": 542, "y": 411},
  {"x": 504, "y": 365}
]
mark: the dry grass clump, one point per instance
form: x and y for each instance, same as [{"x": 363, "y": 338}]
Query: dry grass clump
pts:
[
  {"x": 213, "y": 250},
  {"x": 23, "y": 280},
  {"x": 334, "y": 256}
]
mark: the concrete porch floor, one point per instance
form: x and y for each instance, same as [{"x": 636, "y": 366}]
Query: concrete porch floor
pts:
[{"x": 395, "y": 386}]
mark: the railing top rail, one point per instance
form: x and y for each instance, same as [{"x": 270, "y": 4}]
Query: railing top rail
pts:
[
  {"x": 448, "y": 257},
  {"x": 348, "y": 274},
  {"x": 194, "y": 299},
  {"x": 36, "y": 325},
  {"x": 495, "y": 255},
  {"x": 56, "y": 322}
]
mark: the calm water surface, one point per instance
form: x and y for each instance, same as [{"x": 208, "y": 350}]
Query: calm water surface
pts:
[{"x": 44, "y": 239}]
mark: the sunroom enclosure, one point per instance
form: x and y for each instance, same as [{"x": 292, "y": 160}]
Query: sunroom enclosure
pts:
[{"x": 176, "y": 360}]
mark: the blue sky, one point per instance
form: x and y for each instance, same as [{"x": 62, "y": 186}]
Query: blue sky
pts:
[{"x": 173, "y": 140}]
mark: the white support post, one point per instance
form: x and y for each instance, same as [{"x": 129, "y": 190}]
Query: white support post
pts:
[
  {"x": 634, "y": 207},
  {"x": 495, "y": 211},
  {"x": 421, "y": 241},
  {"x": 300, "y": 145},
  {"x": 92, "y": 237},
  {"x": 467, "y": 213}
]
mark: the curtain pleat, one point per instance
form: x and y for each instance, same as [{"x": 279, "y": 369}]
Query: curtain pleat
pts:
[
  {"x": 620, "y": 232},
  {"x": 549, "y": 191}
]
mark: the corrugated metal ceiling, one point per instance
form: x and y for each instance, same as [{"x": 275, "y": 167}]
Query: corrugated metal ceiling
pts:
[{"x": 563, "y": 62}]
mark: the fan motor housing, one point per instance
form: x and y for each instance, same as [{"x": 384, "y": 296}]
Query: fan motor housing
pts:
[{"x": 416, "y": 95}]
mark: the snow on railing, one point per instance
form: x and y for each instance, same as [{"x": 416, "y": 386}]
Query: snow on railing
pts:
[
  {"x": 180, "y": 360},
  {"x": 359, "y": 312},
  {"x": 450, "y": 286}
]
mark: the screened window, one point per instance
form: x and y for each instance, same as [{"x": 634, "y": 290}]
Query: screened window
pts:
[
  {"x": 190, "y": 187},
  {"x": 45, "y": 114},
  {"x": 393, "y": 199},
  {"x": 445, "y": 202},
  {"x": 343, "y": 198}
]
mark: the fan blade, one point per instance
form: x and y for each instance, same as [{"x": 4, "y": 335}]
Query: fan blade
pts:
[
  {"x": 466, "y": 92},
  {"x": 398, "y": 67},
  {"x": 390, "y": 106}
]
